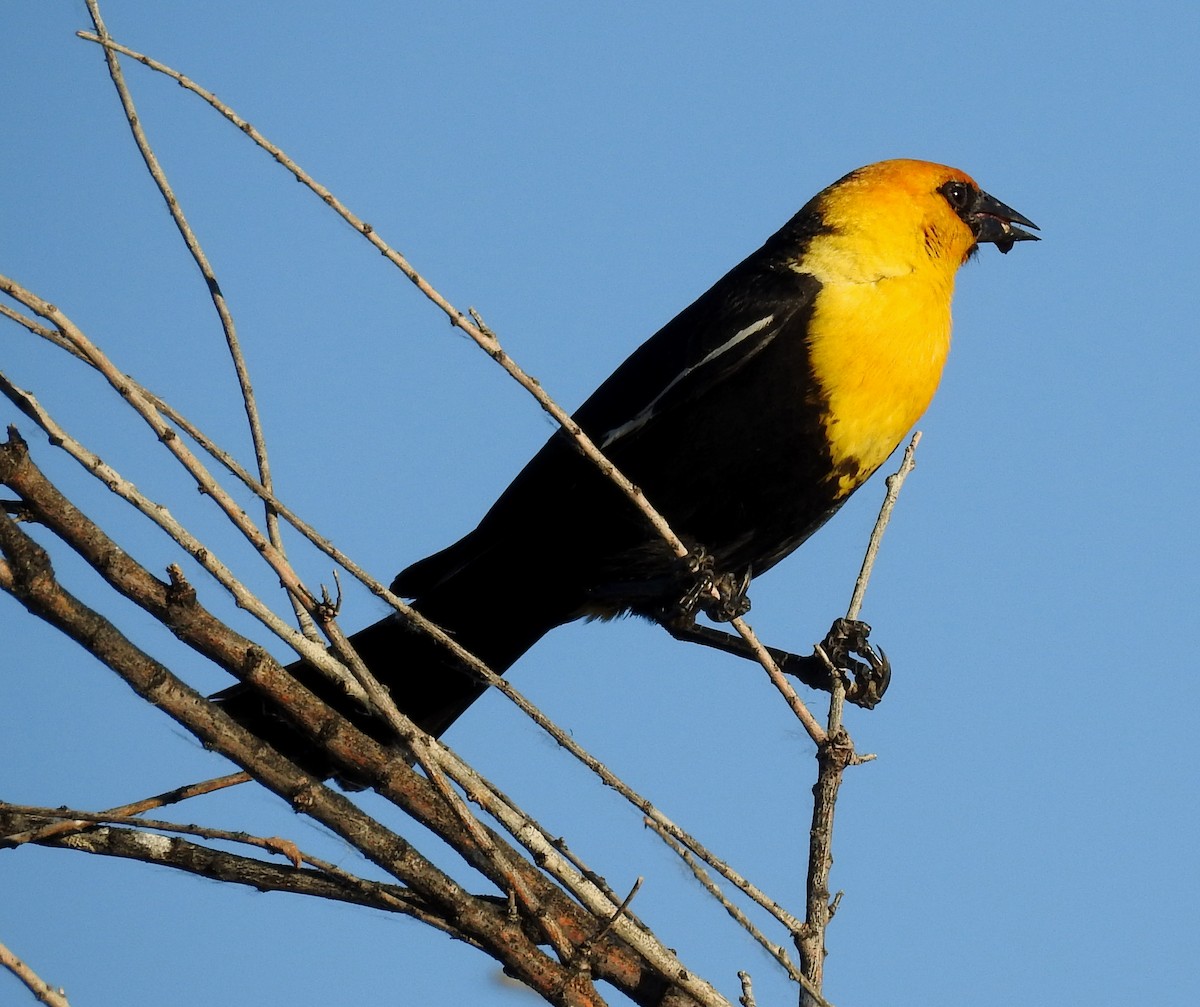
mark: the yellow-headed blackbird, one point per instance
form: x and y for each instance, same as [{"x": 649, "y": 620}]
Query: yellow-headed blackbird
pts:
[{"x": 748, "y": 419}]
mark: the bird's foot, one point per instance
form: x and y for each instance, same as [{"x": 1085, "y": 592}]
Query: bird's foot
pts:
[
  {"x": 719, "y": 595},
  {"x": 844, "y": 644}
]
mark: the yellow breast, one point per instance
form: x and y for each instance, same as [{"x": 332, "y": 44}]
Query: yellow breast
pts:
[{"x": 877, "y": 350}]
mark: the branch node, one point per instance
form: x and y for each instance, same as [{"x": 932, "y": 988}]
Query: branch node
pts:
[
  {"x": 747, "y": 997},
  {"x": 834, "y": 903}
]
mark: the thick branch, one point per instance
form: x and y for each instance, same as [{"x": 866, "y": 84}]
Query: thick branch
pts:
[
  {"x": 32, "y": 580},
  {"x": 29, "y": 576}
]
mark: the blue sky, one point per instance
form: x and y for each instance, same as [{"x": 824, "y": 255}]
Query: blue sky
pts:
[{"x": 579, "y": 173}]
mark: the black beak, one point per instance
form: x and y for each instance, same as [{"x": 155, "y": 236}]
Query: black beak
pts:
[{"x": 992, "y": 221}]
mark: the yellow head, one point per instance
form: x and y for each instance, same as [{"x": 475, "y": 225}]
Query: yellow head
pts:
[
  {"x": 897, "y": 217},
  {"x": 889, "y": 239}
]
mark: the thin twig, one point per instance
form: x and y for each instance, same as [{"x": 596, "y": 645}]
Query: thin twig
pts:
[
  {"x": 41, "y": 990},
  {"x": 814, "y": 729},
  {"x": 481, "y": 335},
  {"x": 241, "y": 369},
  {"x": 894, "y": 483},
  {"x": 74, "y": 819},
  {"x": 44, "y": 331},
  {"x": 127, "y": 810},
  {"x": 470, "y": 324},
  {"x": 560, "y": 845},
  {"x": 312, "y": 653},
  {"x": 621, "y": 910},
  {"x": 327, "y": 882},
  {"x": 832, "y": 759},
  {"x": 776, "y": 951}
]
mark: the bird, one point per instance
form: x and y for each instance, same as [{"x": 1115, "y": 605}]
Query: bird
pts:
[{"x": 747, "y": 421}]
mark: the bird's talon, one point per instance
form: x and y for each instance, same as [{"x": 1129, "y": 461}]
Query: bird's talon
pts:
[
  {"x": 730, "y": 602},
  {"x": 844, "y": 644},
  {"x": 720, "y": 596}
]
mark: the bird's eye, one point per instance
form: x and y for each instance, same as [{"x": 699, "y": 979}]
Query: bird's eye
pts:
[{"x": 958, "y": 195}]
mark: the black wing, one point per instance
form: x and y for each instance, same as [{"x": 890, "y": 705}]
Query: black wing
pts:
[{"x": 679, "y": 371}]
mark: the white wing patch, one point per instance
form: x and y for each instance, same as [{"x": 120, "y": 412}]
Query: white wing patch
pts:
[{"x": 642, "y": 418}]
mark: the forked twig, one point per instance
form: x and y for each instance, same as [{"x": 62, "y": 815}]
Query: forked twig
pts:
[{"x": 65, "y": 827}]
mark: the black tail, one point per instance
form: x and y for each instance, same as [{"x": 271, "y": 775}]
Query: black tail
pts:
[{"x": 476, "y": 604}]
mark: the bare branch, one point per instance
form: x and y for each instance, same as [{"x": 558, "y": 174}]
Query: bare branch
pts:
[
  {"x": 381, "y": 700},
  {"x": 895, "y": 482},
  {"x": 833, "y": 756},
  {"x": 76, "y": 819},
  {"x": 233, "y": 652},
  {"x": 814, "y": 729},
  {"x": 747, "y": 997},
  {"x": 162, "y": 517},
  {"x": 250, "y": 404},
  {"x": 28, "y": 576},
  {"x": 481, "y": 334},
  {"x": 776, "y": 951},
  {"x": 328, "y": 882},
  {"x": 185, "y": 793},
  {"x": 41, "y": 990}
]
